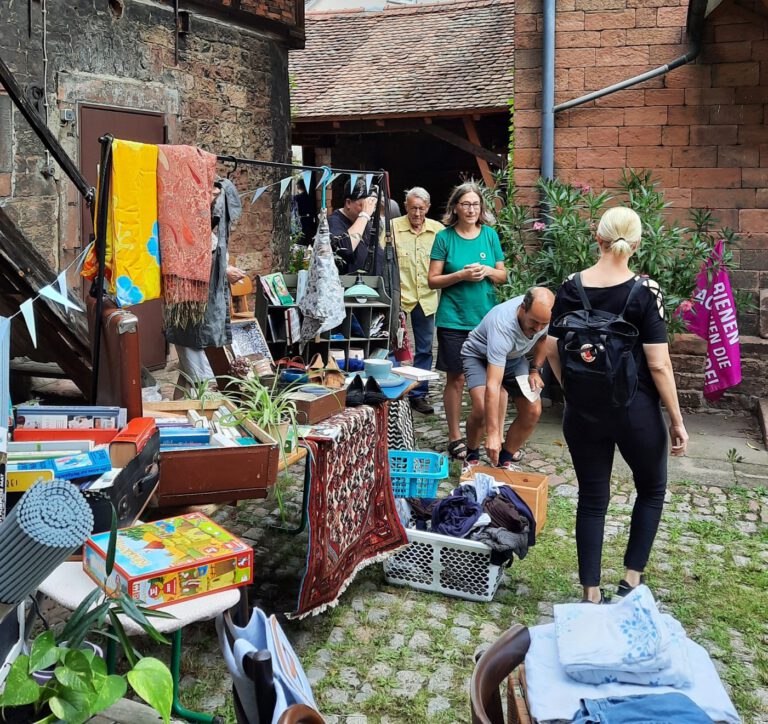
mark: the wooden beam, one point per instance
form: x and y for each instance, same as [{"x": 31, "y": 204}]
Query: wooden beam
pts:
[
  {"x": 470, "y": 146},
  {"x": 485, "y": 171}
]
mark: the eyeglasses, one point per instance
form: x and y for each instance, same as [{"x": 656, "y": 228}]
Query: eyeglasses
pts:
[{"x": 466, "y": 205}]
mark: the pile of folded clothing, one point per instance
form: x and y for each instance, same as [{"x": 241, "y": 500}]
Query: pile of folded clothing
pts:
[{"x": 610, "y": 661}]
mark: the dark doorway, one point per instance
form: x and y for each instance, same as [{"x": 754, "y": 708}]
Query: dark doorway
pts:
[{"x": 143, "y": 127}]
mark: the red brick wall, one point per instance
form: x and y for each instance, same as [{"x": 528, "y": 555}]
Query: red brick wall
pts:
[{"x": 701, "y": 128}]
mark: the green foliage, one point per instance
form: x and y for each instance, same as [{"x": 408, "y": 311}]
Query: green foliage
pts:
[
  {"x": 267, "y": 407},
  {"x": 80, "y": 686},
  {"x": 545, "y": 251}
]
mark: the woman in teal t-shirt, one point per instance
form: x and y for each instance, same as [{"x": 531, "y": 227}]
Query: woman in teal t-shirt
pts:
[{"x": 466, "y": 262}]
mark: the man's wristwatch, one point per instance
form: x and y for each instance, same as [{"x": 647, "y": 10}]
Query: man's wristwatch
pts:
[
  {"x": 540, "y": 370},
  {"x": 365, "y": 215}
]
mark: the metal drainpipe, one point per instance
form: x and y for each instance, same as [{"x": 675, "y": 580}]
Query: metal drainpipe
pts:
[
  {"x": 694, "y": 28},
  {"x": 548, "y": 92}
]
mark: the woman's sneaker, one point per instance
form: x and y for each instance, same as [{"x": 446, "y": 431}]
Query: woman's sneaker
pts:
[{"x": 624, "y": 588}]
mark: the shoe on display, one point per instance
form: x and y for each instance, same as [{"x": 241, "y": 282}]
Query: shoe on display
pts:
[
  {"x": 420, "y": 404},
  {"x": 355, "y": 392}
]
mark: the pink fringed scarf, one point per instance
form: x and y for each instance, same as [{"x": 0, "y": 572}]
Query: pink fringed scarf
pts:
[{"x": 185, "y": 177}]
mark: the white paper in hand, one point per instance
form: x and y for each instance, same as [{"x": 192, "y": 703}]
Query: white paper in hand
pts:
[{"x": 531, "y": 395}]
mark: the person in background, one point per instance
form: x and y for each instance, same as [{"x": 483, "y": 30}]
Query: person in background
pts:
[
  {"x": 466, "y": 263},
  {"x": 414, "y": 236},
  {"x": 494, "y": 356},
  {"x": 351, "y": 230},
  {"x": 638, "y": 429}
]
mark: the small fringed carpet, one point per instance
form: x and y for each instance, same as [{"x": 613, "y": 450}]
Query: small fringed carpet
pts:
[{"x": 352, "y": 516}]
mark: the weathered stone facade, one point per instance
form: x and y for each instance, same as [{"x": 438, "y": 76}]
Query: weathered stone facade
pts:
[
  {"x": 701, "y": 129},
  {"x": 228, "y": 94}
]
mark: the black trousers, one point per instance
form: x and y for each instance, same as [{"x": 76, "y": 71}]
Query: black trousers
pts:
[{"x": 640, "y": 433}]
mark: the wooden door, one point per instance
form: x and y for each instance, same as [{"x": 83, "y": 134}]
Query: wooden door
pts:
[{"x": 129, "y": 125}]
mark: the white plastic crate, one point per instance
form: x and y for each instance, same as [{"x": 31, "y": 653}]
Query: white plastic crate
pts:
[{"x": 442, "y": 563}]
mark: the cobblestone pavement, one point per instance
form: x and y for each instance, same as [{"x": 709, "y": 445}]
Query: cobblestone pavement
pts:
[{"x": 390, "y": 654}]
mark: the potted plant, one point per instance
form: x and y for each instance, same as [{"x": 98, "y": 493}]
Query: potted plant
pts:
[
  {"x": 79, "y": 685},
  {"x": 271, "y": 409}
]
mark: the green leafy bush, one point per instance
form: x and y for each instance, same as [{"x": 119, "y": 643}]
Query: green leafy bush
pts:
[{"x": 544, "y": 251}]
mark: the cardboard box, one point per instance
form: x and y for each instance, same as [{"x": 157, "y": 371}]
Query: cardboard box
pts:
[
  {"x": 170, "y": 560},
  {"x": 311, "y": 409},
  {"x": 533, "y": 488}
]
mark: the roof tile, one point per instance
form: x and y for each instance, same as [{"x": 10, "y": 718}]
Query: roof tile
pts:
[{"x": 413, "y": 60}]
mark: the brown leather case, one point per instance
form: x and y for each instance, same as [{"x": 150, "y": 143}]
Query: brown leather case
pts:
[
  {"x": 216, "y": 475},
  {"x": 120, "y": 357}
]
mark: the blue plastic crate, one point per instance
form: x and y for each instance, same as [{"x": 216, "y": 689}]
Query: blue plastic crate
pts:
[{"x": 416, "y": 474}]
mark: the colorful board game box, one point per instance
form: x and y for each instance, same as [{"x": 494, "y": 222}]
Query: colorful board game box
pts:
[{"x": 171, "y": 560}]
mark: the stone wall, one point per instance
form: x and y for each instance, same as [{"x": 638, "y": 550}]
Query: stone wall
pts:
[
  {"x": 228, "y": 94},
  {"x": 700, "y": 128}
]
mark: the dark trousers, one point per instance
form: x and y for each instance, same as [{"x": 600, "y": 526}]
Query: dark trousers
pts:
[
  {"x": 423, "y": 333},
  {"x": 640, "y": 433}
]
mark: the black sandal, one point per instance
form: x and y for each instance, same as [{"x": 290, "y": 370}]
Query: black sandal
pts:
[{"x": 457, "y": 449}]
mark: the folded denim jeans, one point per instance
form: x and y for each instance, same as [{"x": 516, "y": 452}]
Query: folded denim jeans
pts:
[{"x": 644, "y": 709}]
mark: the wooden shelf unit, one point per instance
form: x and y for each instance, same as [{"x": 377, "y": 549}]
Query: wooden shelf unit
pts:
[{"x": 365, "y": 314}]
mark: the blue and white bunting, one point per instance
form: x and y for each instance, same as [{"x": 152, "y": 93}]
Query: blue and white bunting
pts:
[
  {"x": 353, "y": 180},
  {"x": 257, "y": 194},
  {"x": 55, "y": 296},
  {"x": 306, "y": 177},
  {"x": 28, "y": 312},
  {"x": 61, "y": 282},
  {"x": 284, "y": 184},
  {"x": 368, "y": 179}
]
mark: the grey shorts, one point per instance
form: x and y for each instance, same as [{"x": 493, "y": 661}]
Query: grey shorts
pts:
[{"x": 475, "y": 373}]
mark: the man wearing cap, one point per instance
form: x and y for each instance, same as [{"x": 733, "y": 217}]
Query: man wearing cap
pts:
[
  {"x": 494, "y": 356},
  {"x": 414, "y": 236},
  {"x": 351, "y": 230}
]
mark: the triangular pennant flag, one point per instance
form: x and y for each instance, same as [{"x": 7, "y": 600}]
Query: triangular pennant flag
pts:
[
  {"x": 306, "y": 177},
  {"x": 28, "y": 312},
  {"x": 50, "y": 293},
  {"x": 78, "y": 263},
  {"x": 353, "y": 180},
  {"x": 326, "y": 178},
  {"x": 368, "y": 179},
  {"x": 284, "y": 183},
  {"x": 334, "y": 176},
  {"x": 257, "y": 194},
  {"x": 61, "y": 281}
]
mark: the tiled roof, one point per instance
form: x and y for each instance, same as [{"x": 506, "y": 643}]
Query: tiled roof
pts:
[{"x": 413, "y": 60}]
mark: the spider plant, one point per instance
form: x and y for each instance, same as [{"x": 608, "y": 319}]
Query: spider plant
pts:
[
  {"x": 197, "y": 389},
  {"x": 272, "y": 409}
]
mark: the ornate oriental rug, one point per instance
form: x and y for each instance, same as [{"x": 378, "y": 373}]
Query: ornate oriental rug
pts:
[{"x": 352, "y": 516}]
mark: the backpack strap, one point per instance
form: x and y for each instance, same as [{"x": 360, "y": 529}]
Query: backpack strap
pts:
[
  {"x": 582, "y": 293},
  {"x": 632, "y": 292}
]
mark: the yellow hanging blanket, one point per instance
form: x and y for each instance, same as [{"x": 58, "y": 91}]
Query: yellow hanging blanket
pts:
[{"x": 132, "y": 263}]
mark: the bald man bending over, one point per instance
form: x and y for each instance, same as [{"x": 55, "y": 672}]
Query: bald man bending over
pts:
[{"x": 493, "y": 356}]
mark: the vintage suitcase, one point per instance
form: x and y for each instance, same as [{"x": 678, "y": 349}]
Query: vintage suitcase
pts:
[
  {"x": 199, "y": 476},
  {"x": 311, "y": 409},
  {"x": 130, "y": 492},
  {"x": 120, "y": 357}
]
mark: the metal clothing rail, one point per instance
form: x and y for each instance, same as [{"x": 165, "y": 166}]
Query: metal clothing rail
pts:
[{"x": 276, "y": 164}]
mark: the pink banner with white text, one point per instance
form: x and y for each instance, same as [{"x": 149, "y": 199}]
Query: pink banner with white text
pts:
[{"x": 712, "y": 316}]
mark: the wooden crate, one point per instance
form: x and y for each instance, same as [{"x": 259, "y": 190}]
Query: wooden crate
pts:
[{"x": 533, "y": 488}]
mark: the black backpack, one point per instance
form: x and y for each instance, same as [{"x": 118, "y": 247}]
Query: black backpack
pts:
[{"x": 599, "y": 354}]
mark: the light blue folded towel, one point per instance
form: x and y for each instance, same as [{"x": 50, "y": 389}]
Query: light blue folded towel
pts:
[{"x": 627, "y": 636}]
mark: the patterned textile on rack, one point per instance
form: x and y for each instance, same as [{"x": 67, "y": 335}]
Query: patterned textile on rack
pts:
[
  {"x": 352, "y": 516},
  {"x": 132, "y": 254},
  {"x": 185, "y": 177},
  {"x": 400, "y": 425}
]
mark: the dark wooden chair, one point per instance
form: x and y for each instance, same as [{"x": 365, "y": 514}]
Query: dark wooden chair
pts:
[{"x": 493, "y": 666}]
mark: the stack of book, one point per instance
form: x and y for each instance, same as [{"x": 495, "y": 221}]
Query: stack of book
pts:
[
  {"x": 68, "y": 422},
  {"x": 277, "y": 293},
  {"x": 196, "y": 430},
  {"x": 81, "y": 468}
]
